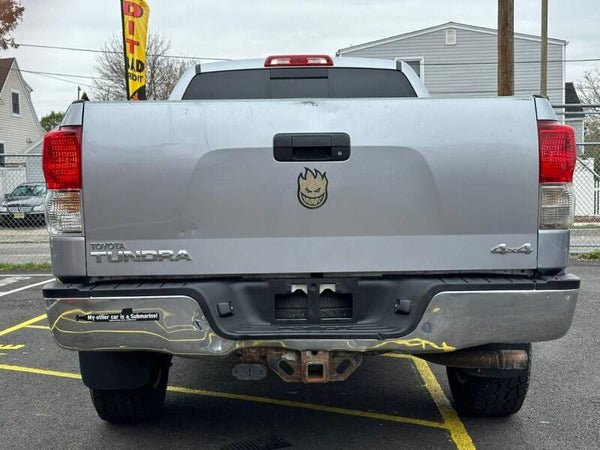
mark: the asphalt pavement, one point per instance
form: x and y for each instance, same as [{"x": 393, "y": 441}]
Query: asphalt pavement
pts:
[{"x": 390, "y": 402}]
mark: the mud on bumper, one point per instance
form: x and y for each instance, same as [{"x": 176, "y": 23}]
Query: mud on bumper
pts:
[{"x": 408, "y": 314}]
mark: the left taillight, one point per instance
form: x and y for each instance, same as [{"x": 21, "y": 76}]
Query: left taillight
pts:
[
  {"x": 558, "y": 155},
  {"x": 61, "y": 158},
  {"x": 61, "y": 163}
]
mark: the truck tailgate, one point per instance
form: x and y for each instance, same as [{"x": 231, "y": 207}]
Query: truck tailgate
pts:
[{"x": 427, "y": 187}]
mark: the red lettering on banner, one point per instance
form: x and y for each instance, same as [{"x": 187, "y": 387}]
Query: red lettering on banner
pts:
[
  {"x": 132, "y": 44},
  {"x": 132, "y": 9}
]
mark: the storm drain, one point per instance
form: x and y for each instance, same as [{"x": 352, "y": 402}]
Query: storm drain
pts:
[{"x": 267, "y": 443}]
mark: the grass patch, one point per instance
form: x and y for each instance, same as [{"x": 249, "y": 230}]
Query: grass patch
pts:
[
  {"x": 43, "y": 267},
  {"x": 590, "y": 255}
]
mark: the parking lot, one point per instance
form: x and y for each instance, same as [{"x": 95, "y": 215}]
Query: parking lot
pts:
[{"x": 390, "y": 402}]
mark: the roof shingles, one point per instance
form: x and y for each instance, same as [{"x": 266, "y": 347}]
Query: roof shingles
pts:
[{"x": 5, "y": 67}]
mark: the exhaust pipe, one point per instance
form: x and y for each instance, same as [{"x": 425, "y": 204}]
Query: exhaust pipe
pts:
[{"x": 481, "y": 359}]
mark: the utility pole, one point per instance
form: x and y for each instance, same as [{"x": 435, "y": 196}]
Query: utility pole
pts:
[
  {"x": 78, "y": 91},
  {"x": 506, "y": 47},
  {"x": 544, "y": 51}
]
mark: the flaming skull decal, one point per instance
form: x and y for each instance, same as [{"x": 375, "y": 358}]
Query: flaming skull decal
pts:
[{"x": 312, "y": 188}]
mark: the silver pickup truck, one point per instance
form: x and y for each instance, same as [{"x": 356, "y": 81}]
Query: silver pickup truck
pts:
[{"x": 300, "y": 212}]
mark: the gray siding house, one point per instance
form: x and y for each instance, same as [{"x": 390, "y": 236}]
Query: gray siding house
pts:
[
  {"x": 455, "y": 59},
  {"x": 19, "y": 125}
]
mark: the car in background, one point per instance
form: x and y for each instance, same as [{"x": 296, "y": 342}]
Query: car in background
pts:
[{"x": 24, "y": 206}]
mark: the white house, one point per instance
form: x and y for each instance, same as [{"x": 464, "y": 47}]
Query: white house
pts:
[
  {"x": 455, "y": 59},
  {"x": 19, "y": 125}
]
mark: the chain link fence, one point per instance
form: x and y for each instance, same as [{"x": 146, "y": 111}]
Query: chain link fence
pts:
[
  {"x": 23, "y": 235},
  {"x": 585, "y": 232},
  {"x": 24, "y": 239}
]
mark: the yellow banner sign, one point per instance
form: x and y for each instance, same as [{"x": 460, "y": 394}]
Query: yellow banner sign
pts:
[{"x": 135, "y": 14}]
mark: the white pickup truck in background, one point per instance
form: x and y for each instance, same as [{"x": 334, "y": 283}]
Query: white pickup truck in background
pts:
[{"x": 301, "y": 211}]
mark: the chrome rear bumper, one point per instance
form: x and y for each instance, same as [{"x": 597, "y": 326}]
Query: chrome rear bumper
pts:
[{"x": 175, "y": 324}]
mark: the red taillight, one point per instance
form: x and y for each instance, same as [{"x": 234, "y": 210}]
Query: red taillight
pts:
[
  {"x": 557, "y": 152},
  {"x": 298, "y": 60},
  {"x": 61, "y": 158}
]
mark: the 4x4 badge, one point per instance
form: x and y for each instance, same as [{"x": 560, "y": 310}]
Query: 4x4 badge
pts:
[
  {"x": 312, "y": 188},
  {"x": 504, "y": 249}
]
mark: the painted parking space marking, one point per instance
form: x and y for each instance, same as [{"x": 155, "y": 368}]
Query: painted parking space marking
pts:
[
  {"x": 22, "y": 288},
  {"x": 254, "y": 399},
  {"x": 51, "y": 373},
  {"x": 458, "y": 432},
  {"x": 11, "y": 346},
  {"x": 451, "y": 422},
  {"x": 28, "y": 274},
  {"x": 23, "y": 324},
  {"x": 5, "y": 281}
]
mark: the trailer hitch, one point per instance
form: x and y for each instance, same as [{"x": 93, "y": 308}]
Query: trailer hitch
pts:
[{"x": 310, "y": 366}]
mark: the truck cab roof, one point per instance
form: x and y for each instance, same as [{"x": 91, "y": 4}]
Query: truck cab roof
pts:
[{"x": 259, "y": 64}]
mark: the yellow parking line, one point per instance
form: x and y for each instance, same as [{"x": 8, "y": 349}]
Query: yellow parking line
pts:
[
  {"x": 11, "y": 346},
  {"x": 23, "y": 324},
  {"x": 312, "y": 406},
  {"x": 452, "y": 422},
  {"x": 38, "y": 327},
  {"x": 255, "y": 399},
  {"x": 458, "y": 432},
  {"x": 51, "y": 373}
]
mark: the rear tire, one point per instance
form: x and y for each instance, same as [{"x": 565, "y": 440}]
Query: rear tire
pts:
[
  {"x": 482, "y": 396},
  {"x": 133, "y": 405}
]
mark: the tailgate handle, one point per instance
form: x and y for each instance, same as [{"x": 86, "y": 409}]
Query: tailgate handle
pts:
[{"x": 290, "y": 147}]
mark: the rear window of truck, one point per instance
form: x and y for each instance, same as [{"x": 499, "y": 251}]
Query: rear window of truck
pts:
[{"x": 299, "y": 83}]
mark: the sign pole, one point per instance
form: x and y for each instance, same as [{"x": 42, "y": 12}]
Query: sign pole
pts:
[{"x": 122, "y": 2}]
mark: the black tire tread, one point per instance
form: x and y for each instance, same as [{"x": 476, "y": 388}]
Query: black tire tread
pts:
[
  {"x": 486, "y": 396},
  {"x": 131, "y": 405}
]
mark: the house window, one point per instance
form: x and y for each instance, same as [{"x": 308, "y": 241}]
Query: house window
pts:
[
  {"x": 1, "y": 154},
  {"x": 16, "y": 103},
  {"x": 417, "y": 64},
  {"x": 450, "y": 37}
]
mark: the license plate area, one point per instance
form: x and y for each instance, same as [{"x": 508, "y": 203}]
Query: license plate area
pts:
[
  {"x": 313, "y": 301},
  {"x": 19, "y": 215}
]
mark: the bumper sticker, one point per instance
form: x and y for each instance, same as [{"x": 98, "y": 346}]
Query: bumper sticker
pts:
[{"x": 127, "y": 315}]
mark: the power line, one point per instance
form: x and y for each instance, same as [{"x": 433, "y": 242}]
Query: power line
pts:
[
  {"x": 61, "y": 74},
  {"x": 93, "y": 50},
  {"x": 89, "y": 77},
  {"x": 516, "y": 62},
  {"x": 62, "y": 79},
  {"x": 55, "y": 75}
]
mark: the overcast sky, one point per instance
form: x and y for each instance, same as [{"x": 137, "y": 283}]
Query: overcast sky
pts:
[{"x": 243, "y": 29}]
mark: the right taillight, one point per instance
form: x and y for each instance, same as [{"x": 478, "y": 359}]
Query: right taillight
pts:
[
  {"x": 558, "y": 155},
  {"x": 61, "y": 163}
]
